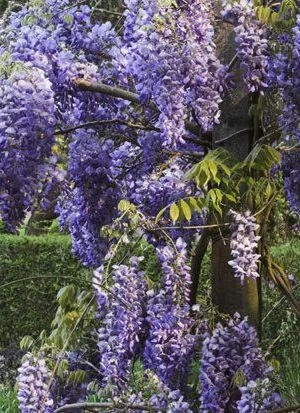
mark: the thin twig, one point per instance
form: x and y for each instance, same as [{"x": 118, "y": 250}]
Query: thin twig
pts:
[
  {"x": 288, "y": 149},
  {"x": 117, "y": 92},
  {"x": 233, "y": 62},
  {"x": 278, "y": 304},
  {"x": 105, "y": 11},
  {"x": 95, "y": 406},
  {"x": 265, "y": 137},
  {"x": 130, "y": 125},
  {"x": 295, "y": 409},
  {"x": 226, "y": 224},
  {"x": 269, "y": 203},
  {"x": 38, "y": 278},
  {"x": 62, "y": 352},
  {"x": 105, "y": 123},
  {"x": 227, "y": 138}
]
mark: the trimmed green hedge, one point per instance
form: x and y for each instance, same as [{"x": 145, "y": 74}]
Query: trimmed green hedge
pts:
[{"x": 32, "y": 270}]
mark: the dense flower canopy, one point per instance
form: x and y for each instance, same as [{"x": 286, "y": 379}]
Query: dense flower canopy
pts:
[
  {"x": 136, "y": 108},
  {"x": 168, "y": 53}
]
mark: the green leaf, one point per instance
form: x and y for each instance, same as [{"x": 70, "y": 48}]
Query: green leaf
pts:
[
  {"x": 62, "y": 368},
  {"x": 26, "y": 343},
  {"x": 230, "y": 197},
  {"x": 262, "y": 158},
  {"x": 160, "y": 214},
  {"x": 274, "y": 18},
  {"x": 269, "y": 190},
  {"x": 196, "y": 204},
  {"x": 202, "y": 178},
  {"x": 213, "y": 169},
  {"x": 225, "y": 169},
  {"x": 264, "y": 13},
  {"x": 66, "y": 295},
  {"x": 184, "y": 206},
  {"x": 77, "y": 377},
  {"x": 124, "y": 205},
  {"x": 219, "y": 194},
  {"x": 174, "y": 212}
]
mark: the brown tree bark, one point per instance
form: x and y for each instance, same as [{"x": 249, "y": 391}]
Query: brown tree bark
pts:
[{"x": 228, "y": 294}]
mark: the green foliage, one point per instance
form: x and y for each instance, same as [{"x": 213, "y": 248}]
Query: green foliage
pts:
[
  {"x": 8, "y": 400},
  {"x": 3, "y": 5},
  {"x": 32, "y": 270},
  {"x": 284, "y": 18},
  {"x": 214, "y": 167},
  {"x": 289, "y": 378},
  {"x": 54, "y": 227},
  {"x": 262, "y": 158},
  {"x": 280, "y": 324},
  {"x": 74, "y": 304},
  {"x": 289, "y": 256},
  {"x": 225, "y": 182}
]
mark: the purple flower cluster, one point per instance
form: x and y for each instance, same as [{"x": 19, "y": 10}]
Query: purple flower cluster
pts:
[
  {"x": 53, "y": 183},
  {"x": 27, "y": 120},
  {"x": 170, "y": 400},
  {"x": 48, "y": 46},
  {"x": 61, "y": 41},
  {"x": 252, "y": 43},
  {"x": 291, "y": 176},
  {"x": 258, "y": 396},
  {"x": 284, "y": 76},
  {"x": 243, "y": 244},
  {"x": 205, "y": 76},
  {"x": 228, "y": 351},
  {"x": 119, "y": 338},
  {"x": 171, "y": 343},
  {"x": 154, "y": 63},
  {"x": 33, "y": 386},
  {"x": 92, "y": 203},
  {"x": 173, "y": 62},
  {"x": 291, "y": 112},
  {"x": 161, "y": 188}
]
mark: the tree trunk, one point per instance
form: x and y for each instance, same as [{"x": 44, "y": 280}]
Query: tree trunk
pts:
[{"x": 228, "y": 294}]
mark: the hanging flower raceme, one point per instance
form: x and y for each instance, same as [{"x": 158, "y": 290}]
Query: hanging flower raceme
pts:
[
  {"x": 171, "y": 401},
  {"x": 291, "y": 176},
  {"x": 122, "y": 317},
  {"x": 258, "y": 396},
  {"x": 252, "y": 43},
  {"x": 171, "y": 342},
  {"x": 34, "y": 393},
  {"x": 174, "y": 63},
  {"x": 27, "y": 121},
  {"x": 229, "y": 351},
  {"x": 92, "y": 202},
  {"x": 243, "y": 245},
  {"x": 164, "y": 399}
]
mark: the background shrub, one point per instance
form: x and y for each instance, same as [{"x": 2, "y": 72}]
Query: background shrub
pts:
[
  {"x": 280, "y": 324},
  {"x": 32, "y": 270},
  {"x": 8, "y": 400}
]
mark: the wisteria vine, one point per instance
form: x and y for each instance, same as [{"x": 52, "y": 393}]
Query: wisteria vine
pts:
[
  {"x": 244, "y": 242},
  {"x": 165, "y": 54}
]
